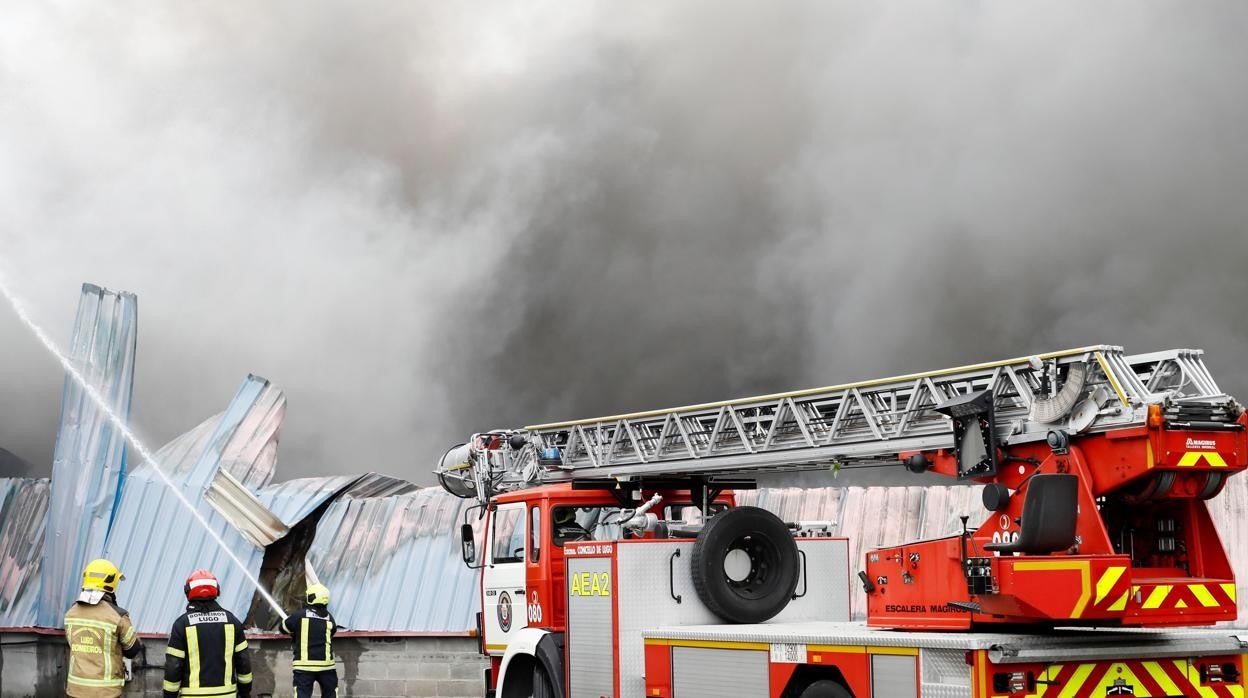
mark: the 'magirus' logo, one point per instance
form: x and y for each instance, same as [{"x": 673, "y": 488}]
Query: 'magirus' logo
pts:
[{"x": 1206, "y": 444}]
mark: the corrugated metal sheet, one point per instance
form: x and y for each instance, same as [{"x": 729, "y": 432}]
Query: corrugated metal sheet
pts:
[
  {"x": 231, "y": 499},
  {"x": 377, "y": 485},
  {"x": 23, "y": 515},
  {"x": 393, "y": 563},
  {"x": 250, "y": 452},
  {"x": 293, "y": 500},
  {"x": 157, "y": 542},
  {"x": 89, "y": 461},
  {"x": 1230, "y": 511}
]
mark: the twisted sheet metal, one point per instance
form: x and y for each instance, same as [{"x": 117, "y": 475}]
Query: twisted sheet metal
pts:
[
  {"x": 89, "y": 462},
  {"x": 1229, "y": 511},
  {"x": 393, "y": 563},
  {"x": 23, "y": 515},
  {"x": 293, "y": 500},
  {"x": 156, "y": 542}
]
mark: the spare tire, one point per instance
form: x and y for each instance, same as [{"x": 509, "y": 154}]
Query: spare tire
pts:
[
  {"x": 744, "y": 565},
  {"x": 825, "y": 688}
]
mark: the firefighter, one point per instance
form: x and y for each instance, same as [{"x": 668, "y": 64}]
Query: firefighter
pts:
[
  {"x": 99, "y": 633},
  {"x": 207, "y": 652},
  {"x": 312, "y": 629}
]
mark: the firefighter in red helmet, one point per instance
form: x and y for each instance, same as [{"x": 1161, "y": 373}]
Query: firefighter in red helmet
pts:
[{"x": 207, "y": 653}]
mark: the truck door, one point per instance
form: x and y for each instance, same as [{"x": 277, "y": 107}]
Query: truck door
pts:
[{"x": 503, "y": 580}]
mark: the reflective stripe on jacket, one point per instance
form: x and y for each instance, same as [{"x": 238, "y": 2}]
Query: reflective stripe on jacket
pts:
[{"x": 99, "y": 636}]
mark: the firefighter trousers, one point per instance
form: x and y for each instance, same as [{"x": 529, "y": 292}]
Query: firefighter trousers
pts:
[{"x": 305, "y": 680}]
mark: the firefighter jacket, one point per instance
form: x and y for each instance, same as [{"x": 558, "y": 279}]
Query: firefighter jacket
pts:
[
  {"x": 312, "y": 631},
  {"x": 207, "y": 654},
  {"x": 99, "y": 635}
]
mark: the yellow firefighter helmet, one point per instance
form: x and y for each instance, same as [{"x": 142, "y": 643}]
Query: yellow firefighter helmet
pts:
[
  {"x": 102, "y": 575},
  {"x": 317, "y": 595}
]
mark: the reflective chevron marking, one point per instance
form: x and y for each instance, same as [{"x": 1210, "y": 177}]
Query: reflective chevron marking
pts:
[
  {"x": 1191, "y": 459},
  {"x": 1203, "y": 596},
  {"x": 1107, "y": 581},
  {"x": 1171, "y": 677},
  {"x": 1157, "y": 596}
]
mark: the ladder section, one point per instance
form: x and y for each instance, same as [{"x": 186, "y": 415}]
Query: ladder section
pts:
[{"x": 1088, "y": 389}]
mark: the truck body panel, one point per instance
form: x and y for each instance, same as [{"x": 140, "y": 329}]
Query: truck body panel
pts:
[{"x": 1075, "y": 663}]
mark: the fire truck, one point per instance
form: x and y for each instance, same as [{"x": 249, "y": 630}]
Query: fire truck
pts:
[{"x": 616, "y": 564}]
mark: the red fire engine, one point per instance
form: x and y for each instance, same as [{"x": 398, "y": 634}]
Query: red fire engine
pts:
[{"x": 615, "y": 563}]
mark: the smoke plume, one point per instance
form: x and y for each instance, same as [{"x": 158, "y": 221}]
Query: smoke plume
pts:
[{"x": 423, "y": 219}]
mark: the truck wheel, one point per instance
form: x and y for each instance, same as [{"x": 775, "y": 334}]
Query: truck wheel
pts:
[
  {"x": 542, "y": 686},
  {"x": 824, "y": 688},
  {"x": 744, "y": 565}
]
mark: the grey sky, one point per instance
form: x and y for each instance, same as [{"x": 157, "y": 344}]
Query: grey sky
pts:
[{"x": 424, "y": 219}]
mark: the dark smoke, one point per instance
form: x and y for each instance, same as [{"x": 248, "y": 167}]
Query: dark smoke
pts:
[{"x": 425, "y": 219}]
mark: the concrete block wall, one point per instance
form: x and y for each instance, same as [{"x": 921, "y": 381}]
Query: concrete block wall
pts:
[{"x": 33, "y": 666}]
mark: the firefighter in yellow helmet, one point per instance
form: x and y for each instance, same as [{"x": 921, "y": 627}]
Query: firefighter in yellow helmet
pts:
[
  {"x": 312, "y": 629},
  {"x": 100, "y": 634}
]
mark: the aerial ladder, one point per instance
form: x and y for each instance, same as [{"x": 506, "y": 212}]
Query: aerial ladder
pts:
[{"x": 1096, "y": 467}]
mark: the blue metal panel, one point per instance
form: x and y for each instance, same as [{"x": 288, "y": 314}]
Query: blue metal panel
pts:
[
  {"x": 251, "y": 452},
  {"x": 157, "y": 544},
  {"x": 392, "y": 563},
  {"x": 88, "y": 464},
  {"x": 23, "y": 515},
  {"x": 293, "y": 500},
  {"x": 219, "y": 444}
]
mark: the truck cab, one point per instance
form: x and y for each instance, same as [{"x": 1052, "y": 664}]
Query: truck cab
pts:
[
  {"x": 572, "y": 579},
  {"x": 524, "y": 535}
]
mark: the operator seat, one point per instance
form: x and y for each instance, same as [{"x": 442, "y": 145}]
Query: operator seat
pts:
[
  {"x": 567, "y": 529},
  {"x": 567, "y": 533},
  {"x": 1049, "y": 516}
]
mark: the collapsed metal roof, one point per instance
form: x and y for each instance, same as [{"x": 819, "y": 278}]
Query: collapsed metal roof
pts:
[
  {"x": 293, "y": 500},
  {"x": 393, "y": 562},
  {"x": 223, "y": 468},
  {"x": 157, "y": 542}
]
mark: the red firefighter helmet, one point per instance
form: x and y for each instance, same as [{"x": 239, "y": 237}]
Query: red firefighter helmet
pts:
[{"x": 202, "y": 585}]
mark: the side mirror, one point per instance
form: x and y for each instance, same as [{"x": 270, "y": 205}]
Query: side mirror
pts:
[{"x": 468, "y": 544}]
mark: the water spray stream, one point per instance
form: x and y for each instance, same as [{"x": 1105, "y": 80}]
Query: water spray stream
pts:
[{"x": 144, "y": 453}]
